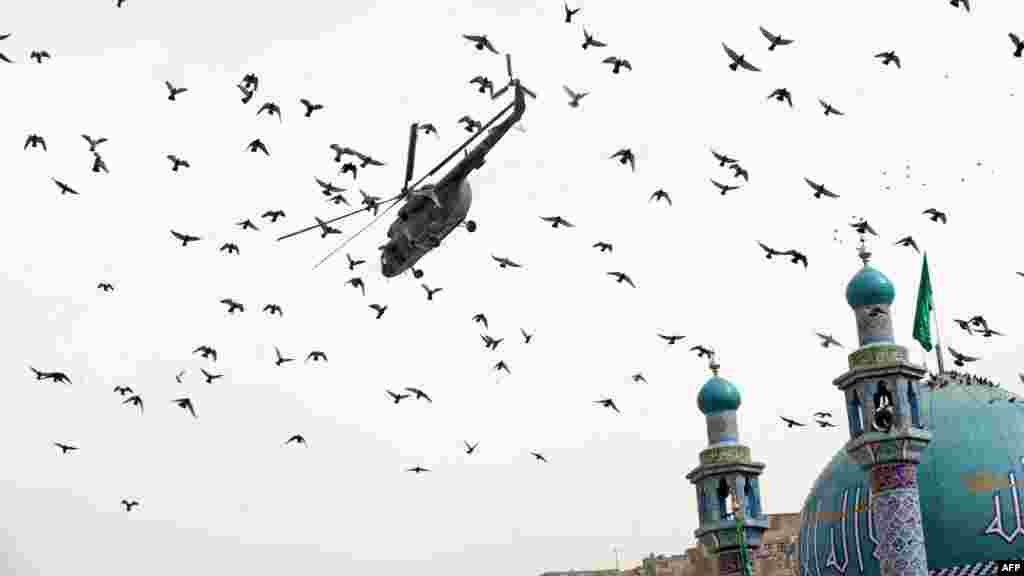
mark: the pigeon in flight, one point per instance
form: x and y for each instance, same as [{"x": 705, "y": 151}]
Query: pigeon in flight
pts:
[
  {"x": 185, "y": 238},
  {"x": 251, "y": 82},
  {"x": 607, "y": 403},
  {"x": 470, "y": 124},
  {"x": 671, "y": 339},
  {"x": 526, "y": 336},
  {"x": 589, "y": 40},
  {"x": 122, "y": 390},
  {"x": 781, "y": 95},
  {"x": 790, "y": 423},
  {"x": 273, "y": 215},
  {"x": 316, "y": 356},
  {"x": 603, "y": 246},
  {"x": 296, "y": 439},
  {"x": 825, "y": 424},
  {"x": 98, "y": 164},
  {"x": 889, "y": 57},
  {"x": 862, "y": 227},
  {"x": 430, "y": 291},
  {"x": 210, "y": 377},
  {"x": 480, "y": 42},
  {"x": 134, "y": 400},
  {"x": 570, "y": 12},
  {"x": 907, "y": 241},
  {"x": 93, "y": 142},
  {"x": 574, "y": 97},
  {"x": 769, "y": 252},
  {"x": 39, "y": 55},
  {"x": 353, "y": 263},
  {"x": 625, "y": 156},
  {"x": 961, "y": 359},
  {"x": 105, "y": 286},
  {"x": 480, "y": 319},
  {"x": 935, "y": 216},
  {"x": 557, "y": 221},
  {"x": 1018, "y": 45},
  {"x": 428, "y": 128},
  {"x": 357, "y": 282},
  {"x": 639, "y": 377},
  {"x": 491, "y": 343},
  {"x": 185, "y": 404},
  {"x": 417, "y": 469},
  {"x": 723, "y": 188},
  {"x": 397, "y": 397},
  {"x": 621, "y": 277},
  {"x": 775, "y": 39},
  {"x": 247, "y": 225},
  {"x": 539, "y": 457},
  {"x": 65, "y": 448},
  {"x": 64, "y": 188},
  {"x": 738, "y": 60},
  {"x": 206, "y": 352},
  {"x": 272, "y": 109},
  {"x": 617, "y": 64},
  {"x": 827, "y": 340},
  {"x": 964, "y": 325},
  {"x": 723, "y": 159},
  {"x": 796, "y": 257},
  {"x": 247, "y": 93},
  {"x": 660, "y": 195},
  {"x": 501, "y": 365},
  {"x": 823, "y": 414},
  {"x": 177, "y": 163},
  {"x": 128, "y": 504},
  {"x": 702, "y": 351},
  {"x": 470, "y": 448},
  {"x": 257, "y": 145},
  {"x": 379, "y": 309},
  {"x": 310, "y": 107},
  {"x": 281, "y": 359},
  {"x": 34, "y": 140},
  {"x": 325, "y": 228},
  {"x": 419, "y": 394},
  {"x": 172, "y": 91},
  {"x": 484, "y": 84},
  {"x": 739, "y": 172},
  {"x": 229, "y": 247},
  {"x": 829, "y": 109},
  {"x": 56, "y": 377},
  {"x": 820, "y": 189}
]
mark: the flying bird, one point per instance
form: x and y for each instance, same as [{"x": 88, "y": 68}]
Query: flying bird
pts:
[
  {"x": 273, "y": 215},
  {"x": 122, "y": 390},
  {"x": 185, "y": 404},
  {"x": 417, "y": 469},
  {"x": 210, "y": 377},
  {"x": 326, "y": 229},
  {"x": 723, "y": 159},
  {"x": 98, "y": 164},
  {"x": 65, "y": 448},
  {"x": 617, "y": 64},
  {"x": 574, "y": 97},
  {"x": 233, "y": 305},
  {"x": 723, "y": 188},
  {"x": 660, "y": 195},
  {"x": 961, "y": 359},
  {"x": 957, "y": 3},
  {"x": 703, "y": 351},
  {"x": 889, "y": 57},
  {"x": 39, "y": 55},
  {"x": 480, "y": 42},
  {"x": 247, "y": 93},
  {"x": 229, "y": 247},
  {"x": 272, "y": 109},
  {"x": 56, "y": 377},
  {"x": 247, "y": 225},
  {"x": 603, "y": 246},
  {"x": 470, "y": 448},
  {"x": 172, "y": 91},
  {"x": 570, "y": 12},
  {"x": 827, "y": 340},
  {"x": 862, "y": 227},
  {"x": 316, "y": 356},
  {"x": 639, "y": 377},
  {"x": 769, "y": 252},
  {"x": 539, "y": 457},
  {"x": 357, "y": 282},
  {"x": 93, "y": 142},
  {"x": 353, "y": 263},
  {"x": 1018, "y": 45},
  {"x": 781, "y": 95},
  {"x": 820, "y": 189},
  {"x": 480, "y": 319},
  {"x": 34, "y": 140},
  {"x": 128, "y": 504},
  {"x": 491, "y": 343},
  {"x": 297, "y": 439},
  {"x": 607, "y": 403},
  {"x": 796, "y": 257},
  {"x": 621, "y": 277},
  {"x": 671, "y": 339},
  {"x": 501, "y": 365},
  {"x": 625, "y": 156},
  {"x": 105, "y": 286},
  {"x": 739, "y": 172},
  {"x": 177, "y": 163},
  {"x": 790, "y": 423},
  {"x": 557, "y": 221},
  {"x": 775, "y": 39},
  {"x": 829, "y": 109},
  {"x": 589, "y": 40},
  {"x": 419, "y": 394},
  {"x": 379, "y": 309},
  {"x": 206, "y": 352},
  {"x": 430, "y": 291},
  {"x": 964, "y": 325},
  {"x": 281, "y": 359},
  {"x": 310, "y": 107},
  {"x": 823, "y": 414},
  {"x": 470, "y": 124},
  {"x": 257, "y": 145},
  {"x": 935, "y": 216},
  {"x": 825, "y": 424},
  {"x": 185, "y": 238},
  {"x": 738, "y": 60},
  {"x": 397, "y": 397},
  {"x": 484, "y": 84},
  {"x": 907, "y": 241},
  {"x": 134, "y": 400},
  {"x": 526, "y": 336}
]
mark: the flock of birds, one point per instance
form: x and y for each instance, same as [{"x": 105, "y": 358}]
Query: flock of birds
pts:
[{"x": 353, "y": 161}]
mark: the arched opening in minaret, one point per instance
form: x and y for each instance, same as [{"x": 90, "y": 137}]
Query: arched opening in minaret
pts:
[
  {"x": 883, "y": 417},
  {"x": 915, "y": 414},
  {"x": 748, "y": 497},
  {"x": 723, "y": 498},
  {"x": 855, "y": 414}
]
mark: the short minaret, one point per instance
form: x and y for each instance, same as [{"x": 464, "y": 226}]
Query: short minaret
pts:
[
  {"x": 726, "y": 472},
  {"x": 887, "y": 434}
]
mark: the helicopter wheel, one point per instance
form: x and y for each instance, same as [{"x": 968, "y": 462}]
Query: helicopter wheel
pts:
[
  {"x": 471, "y": 225},
  {"x": 417, "y": 273}
]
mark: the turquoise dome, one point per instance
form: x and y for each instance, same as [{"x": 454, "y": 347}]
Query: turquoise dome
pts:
[
  {"x": 869, "y": 287},
  {"x": 971, "y": 438},
  {"x": 718, "y": 395}
]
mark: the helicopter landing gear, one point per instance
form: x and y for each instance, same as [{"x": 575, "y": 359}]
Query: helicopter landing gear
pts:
[
  {"x": 417, "y": 273},
  {"x": 471, "y": 225}
]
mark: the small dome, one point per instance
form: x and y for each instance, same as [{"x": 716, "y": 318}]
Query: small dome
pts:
[
  {"x": 718, "y": 395},
  {"x": 869, "y": 287}
]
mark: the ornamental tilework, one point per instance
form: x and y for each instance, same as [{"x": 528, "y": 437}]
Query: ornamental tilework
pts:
[
  {"x": 976, "y": 569},
  {"x": 893, "y": 476},
  {"x": 897, "y": 520}
]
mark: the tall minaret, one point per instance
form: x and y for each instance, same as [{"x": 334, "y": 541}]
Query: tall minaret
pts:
[
  {"x": 726, "y": 472},
  {"x": 887, "y": 434}
]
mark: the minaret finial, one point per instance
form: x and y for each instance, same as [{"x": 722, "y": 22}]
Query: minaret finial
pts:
[
  {"x": 713, "y": 363},
  {"x": 862, "y": 250}
]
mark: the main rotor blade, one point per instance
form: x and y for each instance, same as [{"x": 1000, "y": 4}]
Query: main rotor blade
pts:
[
  {"x": 353, "y": 237},
  {"x": 410, "y": 157}
]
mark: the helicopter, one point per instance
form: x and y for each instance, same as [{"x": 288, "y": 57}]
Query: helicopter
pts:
[{"x": 432, "y": 211}]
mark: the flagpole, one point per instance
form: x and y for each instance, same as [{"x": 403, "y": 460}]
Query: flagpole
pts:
[{"x": 938, "y": 335}]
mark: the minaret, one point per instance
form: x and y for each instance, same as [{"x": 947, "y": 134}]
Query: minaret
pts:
[
  {"x": 887, "y": 434},
  {"x": 726, "y": 472}
]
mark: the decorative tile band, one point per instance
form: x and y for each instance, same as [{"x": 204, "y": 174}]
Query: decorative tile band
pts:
[
  {"x": 893, "y": 476},
  {"x": 976, "y": 569}
]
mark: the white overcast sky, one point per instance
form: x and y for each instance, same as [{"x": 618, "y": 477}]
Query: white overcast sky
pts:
[{"x": 221, "y": 495}]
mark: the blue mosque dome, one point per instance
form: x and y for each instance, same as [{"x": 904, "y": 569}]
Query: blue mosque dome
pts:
[
  {"x": 971, "y": 505},
  {"x": 718, "y": 395},
  {"x": 870, "y": 287}
]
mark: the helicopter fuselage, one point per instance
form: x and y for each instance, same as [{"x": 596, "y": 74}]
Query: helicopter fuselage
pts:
[{"x": 421, "y": 225}]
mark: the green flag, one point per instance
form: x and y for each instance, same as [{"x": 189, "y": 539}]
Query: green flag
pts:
[{"x": 922, "y": 318}]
